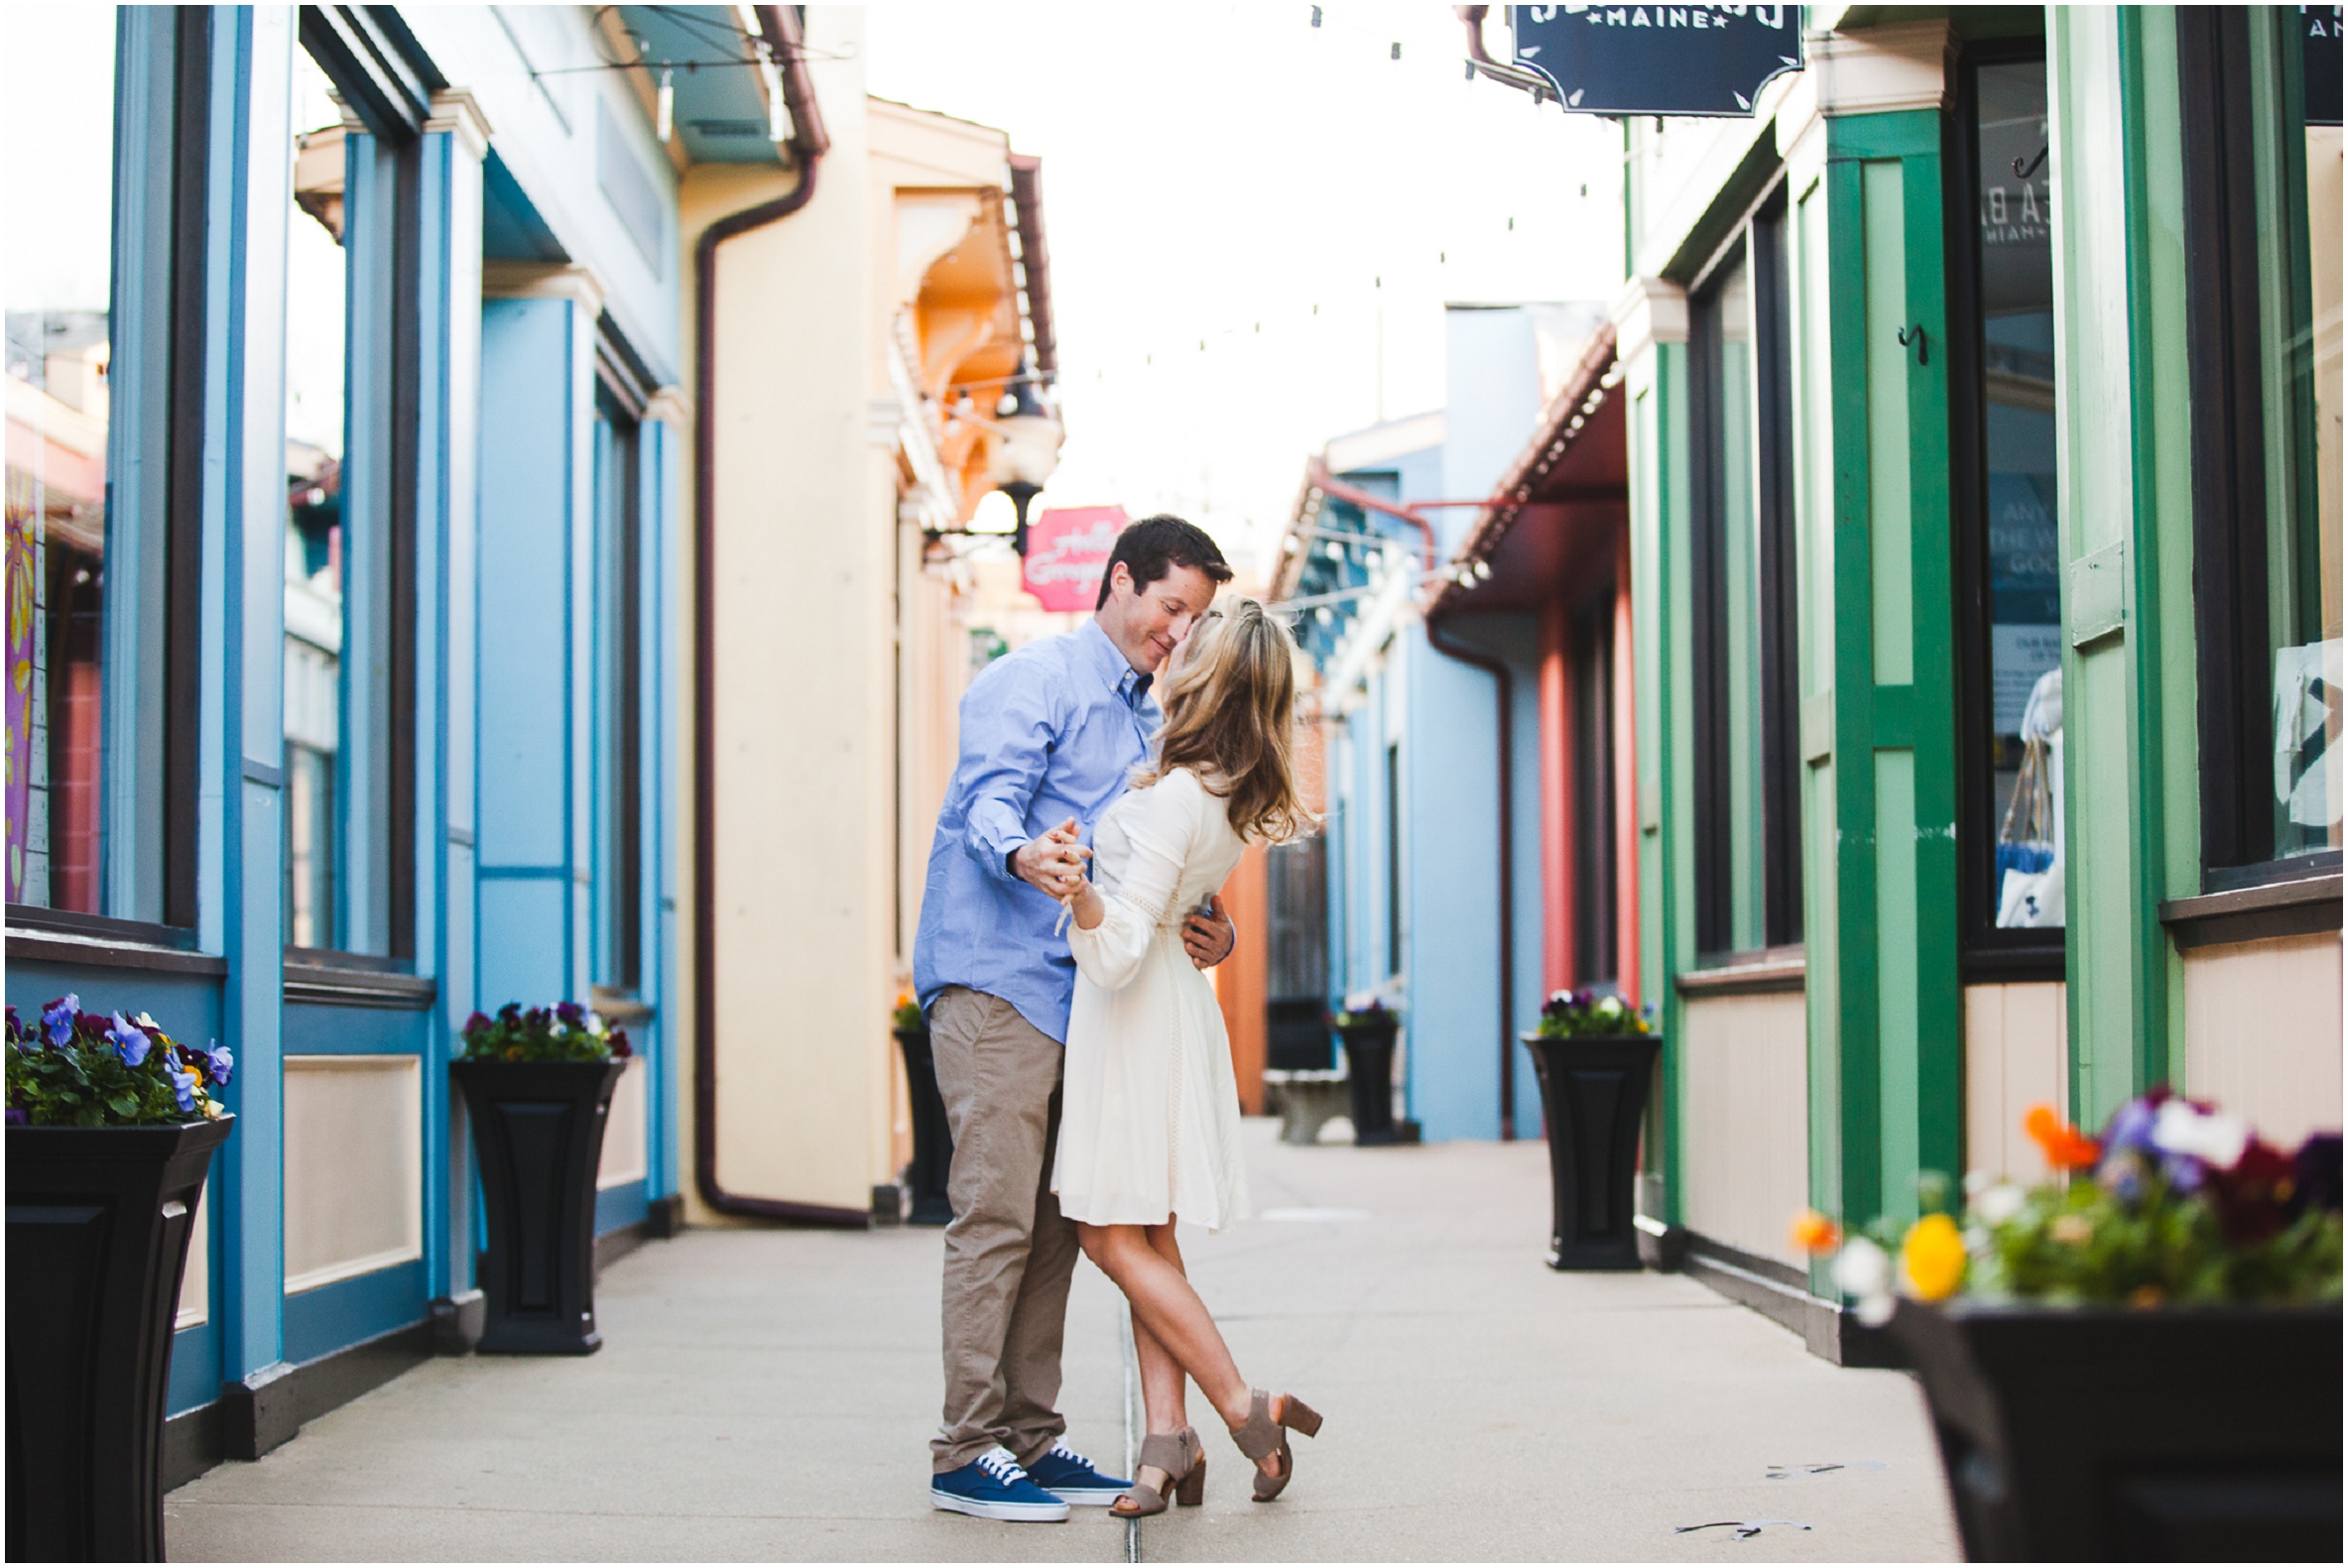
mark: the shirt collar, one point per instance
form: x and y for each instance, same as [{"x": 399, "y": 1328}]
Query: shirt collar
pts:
[{"x": 1110, "y": 664}]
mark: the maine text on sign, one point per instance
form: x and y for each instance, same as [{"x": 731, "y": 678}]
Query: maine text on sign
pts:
[
  {"x": 1068, "y": 550},
  {"x": 1693, "y": 59}
]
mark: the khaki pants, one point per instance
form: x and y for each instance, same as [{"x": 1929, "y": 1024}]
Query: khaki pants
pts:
[{"x": 1009, "y": 1254}]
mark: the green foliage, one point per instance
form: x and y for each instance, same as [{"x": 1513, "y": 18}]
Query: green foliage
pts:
[
  {"x": 88, "y": 1069},
  {"x": 907, "y": 1015},
  {"x": 565, "y": 1031},
  {"x": 1570, "y": 1012},
  {"x": 2088, "y": 1244}
]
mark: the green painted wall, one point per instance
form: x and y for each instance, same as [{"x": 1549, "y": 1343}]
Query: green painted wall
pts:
[
  {"x": 1659, "y": 575},
  {"x": 1887, "y": 1042},
  {"x": 2124, "y": 508}
]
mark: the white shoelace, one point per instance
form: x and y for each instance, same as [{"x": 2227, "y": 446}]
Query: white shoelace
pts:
[
  {"x": 1003, "y": 1464},
  {"x": 1063, "y": 1451}
]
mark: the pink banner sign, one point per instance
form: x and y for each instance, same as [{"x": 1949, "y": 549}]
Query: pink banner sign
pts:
[{"x": 1067, "y": 551}]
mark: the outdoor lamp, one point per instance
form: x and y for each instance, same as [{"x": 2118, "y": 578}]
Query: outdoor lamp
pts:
[{"x": 1029, "y": 450}]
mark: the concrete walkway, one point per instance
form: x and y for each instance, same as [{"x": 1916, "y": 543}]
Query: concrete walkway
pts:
[{"x": 767, "y": 1394}]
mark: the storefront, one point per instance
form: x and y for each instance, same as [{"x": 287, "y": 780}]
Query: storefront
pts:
[
  {"x": 1984, "y": 395},
  {"x": 344, "y": 483}
]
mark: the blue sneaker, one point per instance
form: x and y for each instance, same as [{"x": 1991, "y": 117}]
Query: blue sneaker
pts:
[
  {"x": 993, "y": 1487},
  {"x": 1071, "y": 1477}
]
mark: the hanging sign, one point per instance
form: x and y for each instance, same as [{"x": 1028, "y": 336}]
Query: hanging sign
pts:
[
  {"x": 2319, "y": 43},
  {"x": 1067, "y": 551},
  {"x": 1691, "y": 59}
]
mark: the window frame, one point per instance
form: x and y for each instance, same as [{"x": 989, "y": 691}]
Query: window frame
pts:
[
  {"x": 1760, "y": 241},
  {"x": 624, "y": 391},
  {"x": 369, "y": 70},
  {"x": 1590, "y": 702},
  {"x": 152, "y": 695},
  {"x": 1988, "y": 952},
  {"x": 2225, "y": 346}
]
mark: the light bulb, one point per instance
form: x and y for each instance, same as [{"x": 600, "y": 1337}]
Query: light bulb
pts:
[{"x": 665, "y": 110}]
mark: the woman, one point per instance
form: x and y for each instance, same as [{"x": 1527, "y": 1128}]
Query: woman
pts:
[{"x": 1149, "y": 1122}]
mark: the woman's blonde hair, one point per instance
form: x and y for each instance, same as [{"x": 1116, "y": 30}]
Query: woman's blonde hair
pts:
[{"x": 1230, "y": 717}]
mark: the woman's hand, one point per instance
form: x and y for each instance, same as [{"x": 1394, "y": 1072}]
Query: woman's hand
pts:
[{"x": 1085, "y": 906}]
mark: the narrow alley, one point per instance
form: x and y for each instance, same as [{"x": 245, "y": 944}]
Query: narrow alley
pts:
[{"x": 767, "y": 1393}]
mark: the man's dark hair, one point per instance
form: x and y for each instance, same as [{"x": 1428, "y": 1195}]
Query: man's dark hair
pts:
[{"x": 1156, "y": 545}]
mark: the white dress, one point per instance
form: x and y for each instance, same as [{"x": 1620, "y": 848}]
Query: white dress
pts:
[{"x": 1149, "y": 1109}]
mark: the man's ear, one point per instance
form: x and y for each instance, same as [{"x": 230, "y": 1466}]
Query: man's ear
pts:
[{"x": 1119, "y": 575}]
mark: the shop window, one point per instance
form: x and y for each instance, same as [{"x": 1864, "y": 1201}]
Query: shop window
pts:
[
  {"x": 104, "y": 343},
  {"x": 1748, "y": 826},
  {"x": 1394, "y": 860},
  {"x": 2009, "y": 567},
  {"x": 349, "y": 799},
  {"x": 2263, "y": 227},
  {"x": 620, "y": 682},
  {"x": 1591, "y": 634}
]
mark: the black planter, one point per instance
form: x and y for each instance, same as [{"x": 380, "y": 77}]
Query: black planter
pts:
[
  {"x": 538, "y": 1133},
  {"x": 1369, "y": 1073},
  {"x": 98, "y": 1224},
  {"x": 2071, "y": 1434},
  {"x": 1593, "y": 1092},
  {"x": 934, "y": 1139}
]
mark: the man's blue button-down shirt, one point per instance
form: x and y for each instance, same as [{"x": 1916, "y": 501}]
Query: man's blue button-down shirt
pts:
[{"x": 1051, "y": 732}]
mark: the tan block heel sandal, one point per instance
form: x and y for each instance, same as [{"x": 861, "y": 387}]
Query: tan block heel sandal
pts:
[
  {"x": 1179, "y": 1455},
  {"x": 1266, "y": 1434}
]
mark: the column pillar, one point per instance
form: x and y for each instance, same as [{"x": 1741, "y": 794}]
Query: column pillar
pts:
[
  {"x": 535, "y": 663},
  {"x": 1651, "y": 337},
  {"x": 447, "y": 301},
  {"x": 250, "y": 196}
]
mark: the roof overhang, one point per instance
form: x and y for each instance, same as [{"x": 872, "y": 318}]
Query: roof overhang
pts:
[{"x": 1553, "y": 517}]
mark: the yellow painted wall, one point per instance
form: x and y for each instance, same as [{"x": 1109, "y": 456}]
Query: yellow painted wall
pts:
[{"x": 803, "y": 675}]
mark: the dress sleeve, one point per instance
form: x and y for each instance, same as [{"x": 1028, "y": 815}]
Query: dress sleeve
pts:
[{"x": 1160, "y": 826}]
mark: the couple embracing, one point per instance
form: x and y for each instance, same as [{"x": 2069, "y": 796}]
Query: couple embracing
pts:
[{"x": 1108, "y": 781}]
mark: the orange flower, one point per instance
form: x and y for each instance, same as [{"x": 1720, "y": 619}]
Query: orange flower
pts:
[
  {"x": 1814, "y": 1233},
  {"x": 2064, "y": 1146}
]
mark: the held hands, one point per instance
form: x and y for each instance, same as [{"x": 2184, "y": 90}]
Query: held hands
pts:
[{"x": 1053, "y": 865}]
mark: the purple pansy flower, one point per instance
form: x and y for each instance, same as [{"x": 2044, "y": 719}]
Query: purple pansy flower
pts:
[
  {"x": 218, "y": 1062},
  {"x": 183, "y": 1081},
  {"x": 127, "y": 1038},
  {"x": 58, "y": 1018},
  {"x": 17, "y": 1118},
  {"x": 474, "y": 1023}
]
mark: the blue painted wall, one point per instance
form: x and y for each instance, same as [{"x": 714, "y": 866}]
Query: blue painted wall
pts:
[{"x": 506, "y": 742}]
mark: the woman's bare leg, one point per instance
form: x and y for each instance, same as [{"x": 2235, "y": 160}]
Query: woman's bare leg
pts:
[{"x": 1165, "y": 1304}]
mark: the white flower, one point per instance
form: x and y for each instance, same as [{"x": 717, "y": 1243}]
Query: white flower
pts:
[
  {"x": 594, "y": 1023},
  {"x": 1862, "y": 1269},
  {"x": 1999, "y": 1203},
  {"x": 559, "y": 1028},
  {"x": 2216, "y": 1140},
  {"x": 1610, "y": 1006}
]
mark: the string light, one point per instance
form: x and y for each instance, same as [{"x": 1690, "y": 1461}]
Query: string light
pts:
[{"x": 665, "y": 109}]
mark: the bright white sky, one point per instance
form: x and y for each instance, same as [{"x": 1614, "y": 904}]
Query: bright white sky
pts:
[
  {"x": 1212, "y": 174},
  {"x": 56, "y": 118}
]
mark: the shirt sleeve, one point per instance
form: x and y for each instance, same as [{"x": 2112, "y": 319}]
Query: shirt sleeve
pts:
[
  {"x": 1008, "y": 726},
  {"x": 1160, "y": 826}
]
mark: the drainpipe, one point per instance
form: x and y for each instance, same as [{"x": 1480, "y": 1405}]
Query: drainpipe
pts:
[
  {"x": 779, "y": 27},
  {"x": 1317, "y": 473}
]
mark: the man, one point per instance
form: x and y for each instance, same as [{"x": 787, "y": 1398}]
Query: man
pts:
[{"x": 1049, "y": 736}]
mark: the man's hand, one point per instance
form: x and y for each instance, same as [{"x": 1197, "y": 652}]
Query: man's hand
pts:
[
  {"x": 1053, "y": 865},
  {"x": 1209, "y": 939}
]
